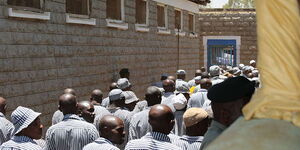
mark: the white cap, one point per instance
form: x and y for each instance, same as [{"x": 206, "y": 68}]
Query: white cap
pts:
[
  {"x": 123, "y": 83},
  {"x": 214, "y": 70},
  {"x": 252, "y": 61},
  {"x": 179, "y": 101},
  {"x": 180, "y": 72},
  {"x": 115, "y": 94},
  {"x": 129, "y": 97},
  {"x": 182, "y": 87}
]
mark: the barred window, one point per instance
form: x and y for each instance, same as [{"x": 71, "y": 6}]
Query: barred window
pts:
[
  {"x": 178, "y": 19},
  {"x": 114, "y": 9},
  {"x": 191, "y": 23},
  {"x": 26, "y": 3},
  {"x": 161, "y": 16},
  {"x": 80, "y": 7},
  {"x": 141, "y": 11}
]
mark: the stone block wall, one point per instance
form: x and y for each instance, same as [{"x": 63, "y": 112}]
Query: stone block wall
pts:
[
  {"x": 39, "y": 59},
  {"x": 231, "y": 22}
]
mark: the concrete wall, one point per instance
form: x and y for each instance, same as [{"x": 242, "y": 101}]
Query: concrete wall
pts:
[
  {"x": 235, "y": 22},
  {"x": 39, "y": 59}
]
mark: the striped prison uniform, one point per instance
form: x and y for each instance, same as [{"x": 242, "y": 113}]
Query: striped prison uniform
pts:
[{"x": 70, "y": 134}]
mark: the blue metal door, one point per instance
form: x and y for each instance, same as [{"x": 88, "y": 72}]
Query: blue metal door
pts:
[{"x": 221, "y": 52}]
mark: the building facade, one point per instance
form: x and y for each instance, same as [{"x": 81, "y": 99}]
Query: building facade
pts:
[{"x": 49, "y": 45}]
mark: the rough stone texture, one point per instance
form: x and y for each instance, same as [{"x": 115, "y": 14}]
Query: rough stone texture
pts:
[
  {"x": 39, "y": 59},
  {"x": 219, "y": 22}
]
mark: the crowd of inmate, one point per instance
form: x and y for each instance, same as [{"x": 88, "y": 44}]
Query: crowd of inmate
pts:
[{"x": 174, "y": 114}]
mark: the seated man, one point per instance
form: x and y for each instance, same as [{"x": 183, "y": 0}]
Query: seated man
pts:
[
  {"x": 161, "y": 119},
  {"x": 112, "y": 132},
  {"x": 27, "y": 128},
  {"x": 196, "y": 122}
]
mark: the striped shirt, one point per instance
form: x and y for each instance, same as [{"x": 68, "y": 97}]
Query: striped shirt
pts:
[
  {"x": 167, "y": 99},
  {"x": 70, "y": 134},
  {"x": 139, "y": 125},
  {"x": 57, "y": 117},
  {"x": 99, "y": 144},
  {"x": 6, "y": 129},
  {"x": 189, "y": 142},
  {"x": 105, "y": 102},
  {"x": 152, "y": 140},
  {"x": 99, "y": 113},
  {"x": 199, "y": 99},
  {"x": 179, "y": 127},
  {"x": 20, "y": 143}
]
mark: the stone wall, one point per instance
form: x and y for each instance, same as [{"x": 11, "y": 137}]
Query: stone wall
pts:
[
  {"x": 39, "y": 59},
  {"x": 234, "y": 22}
]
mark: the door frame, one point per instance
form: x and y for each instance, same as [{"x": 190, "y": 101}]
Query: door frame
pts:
[{"x": 205, "y": 44}]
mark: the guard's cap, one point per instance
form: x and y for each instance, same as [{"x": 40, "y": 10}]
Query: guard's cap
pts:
[{"x": 231, "y": 89}]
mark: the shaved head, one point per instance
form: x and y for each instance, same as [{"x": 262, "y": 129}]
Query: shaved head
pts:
[
  {"x": 86, "y": 111},
  {"x": 112, "y": 128},
  {"x": 113, "y": 85},
  {"x": 69, "y": 91},
  {"x": 198, "y": 73},
  {"x": 2, "y": 105},
  {"x": 205, "y": 83},
  {"x": 96, "y": 97},
  {"x": 169, "y": 85},
  {"x": 172, "y": 78},
  {"x": 161, "y": 118},
  {"x": 153, "y": 96},
  {"x": 68, "y": 104}
]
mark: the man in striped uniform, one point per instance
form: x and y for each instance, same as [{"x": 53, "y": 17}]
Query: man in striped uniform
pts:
[
  {"x": 139, "y": 125},
  {"x": 58, "y": 116},
  {"x": 161, "y": 119},
  {"x": 196, "y": 122},
  {"x": 6, "y": 127},
  {"x": 27, "y": 128},
  {"x": 72, "y": 133},
  {"x": 112, "y": 132}
]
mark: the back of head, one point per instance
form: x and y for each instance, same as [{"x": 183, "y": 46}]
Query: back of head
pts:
[
  {"x": 97, "y": 95},
  {"x": 113, "y": 85},
  {"x": 169, "y": 85},
  {"x": 161, "y": 118},
  {"x": 172, "y": 78},
  {"x": 203, "y": 69},
  {"x": 124, "y": 73},
  {"x": 68, "y": 104},
  {"x": 205, "y": 75},
  {"x": 198, "y": 73},
  {"x": 153, "y": 96},
  {"x": 205, "y": 83},
  {"x": 2, "y": 105},
  {"x": 69, "y": 91},
  {"x": 112, "y": 128},
  {"x": 164, "y": 76}
]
